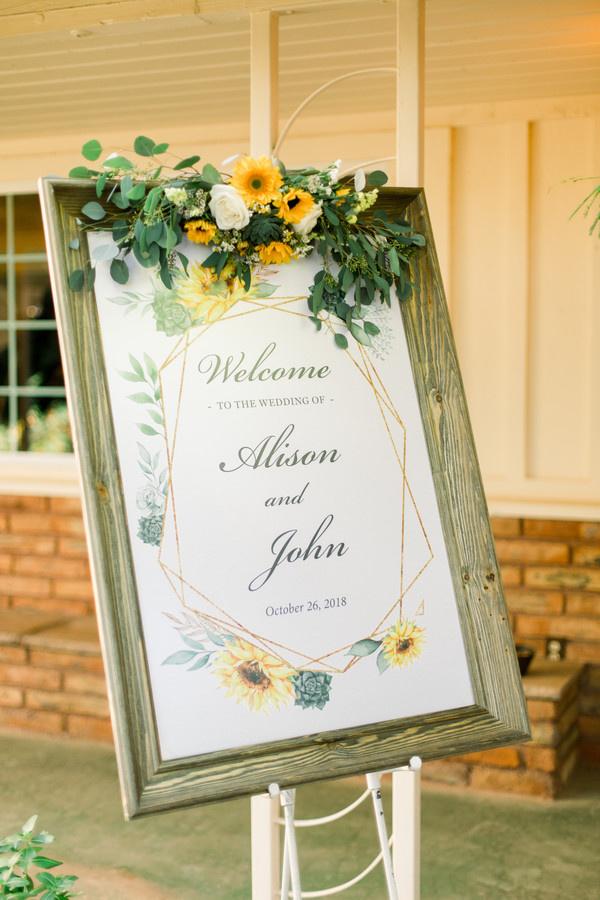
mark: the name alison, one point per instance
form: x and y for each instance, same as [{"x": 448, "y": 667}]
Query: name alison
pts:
[{"x": 274, "y": 451}]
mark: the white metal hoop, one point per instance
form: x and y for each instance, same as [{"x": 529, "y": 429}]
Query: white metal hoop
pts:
[
  {"x": 320, "y": 90},
  {"x": 329, "y": 892}
]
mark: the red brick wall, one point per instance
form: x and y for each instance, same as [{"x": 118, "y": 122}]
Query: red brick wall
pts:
[
  {"x": 550, "y": 569},
  {"x": 43, "y": 557},
  {"x": 53, "y": 692},
  {"x": 551, "y": 575}
]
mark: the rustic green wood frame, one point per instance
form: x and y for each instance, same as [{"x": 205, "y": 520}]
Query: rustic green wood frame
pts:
[{"x": 149, "y": 784}]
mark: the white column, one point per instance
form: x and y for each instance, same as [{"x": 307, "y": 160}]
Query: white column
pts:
[
  {"x": 410, "y": 63},
  {"x": 406, "y": 825},
  {"x": 266, "y": 862},
  {"x": 264, "y": 79}
]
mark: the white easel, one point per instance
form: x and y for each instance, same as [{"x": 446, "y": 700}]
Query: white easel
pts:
[{"x": 401, "y": 863}]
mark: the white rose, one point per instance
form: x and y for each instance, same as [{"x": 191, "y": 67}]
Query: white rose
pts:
[
  {"x": 228, "y": 208},
  {"x": 306, "y": 225}
]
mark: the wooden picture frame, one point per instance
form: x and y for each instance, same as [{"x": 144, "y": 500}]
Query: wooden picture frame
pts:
[{"x": 150, "y": 784}]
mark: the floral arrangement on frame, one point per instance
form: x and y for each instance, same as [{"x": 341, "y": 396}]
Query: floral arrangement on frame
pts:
[{"x": 260, "y": 215}]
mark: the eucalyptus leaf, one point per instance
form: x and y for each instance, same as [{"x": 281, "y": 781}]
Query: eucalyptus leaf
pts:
[
  {"x": 117, "y": 162},
  {"x": 94, "y": 211},
  {"x": 91, "y": 150},
  {"x": 137, "y": 192},
  {"x": 371, "y": 328},
  {"x": 144, "y": 146},
  {"x": 103, "y": 252},
  {"x": 76, "y": 280},
  {"x": 358, "y": 334},
  {"x": 82, "y": 172},
  {"x": 101, "y": 184},
  {"x": 160, "y": 148},
  {"x": 341, "y": 340},
  {"x": 119, "y": 271},
  {"x": 187, "y": 163},
  {"x": 210, "y": 174},
  {"x": 376, "y": 178}
]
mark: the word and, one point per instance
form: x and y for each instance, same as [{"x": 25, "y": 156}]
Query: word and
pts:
[
  {"x": 273, "y": 451},
  {"x": 287, "y": 500},
  {"x": 214, "y": 367},
  {"x": 284, "y": 552}
]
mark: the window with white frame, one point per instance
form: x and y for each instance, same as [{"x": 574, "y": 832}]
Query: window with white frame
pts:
[{"x": 33, "y": 411}]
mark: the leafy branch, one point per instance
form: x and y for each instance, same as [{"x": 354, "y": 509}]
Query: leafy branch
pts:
[
  {"x": 21, "y": 853},
  {"x": 146, "y": 374}
]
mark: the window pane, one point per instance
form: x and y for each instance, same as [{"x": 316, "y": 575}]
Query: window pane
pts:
[
  {"x": 2, "y": 224},
  {"x": 3, "y": 292},
  {"x": 5, "y": 443},
  {"x": 44, "y": 425},
  {"x": 29, "y": 235},
  {"x": 34, "y": 297},
  {"x": 38, "y": 359},
  {"x": 3, "y": 357}
]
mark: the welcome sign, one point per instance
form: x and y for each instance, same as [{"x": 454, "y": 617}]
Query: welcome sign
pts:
[{"x": 292, "y": 561}]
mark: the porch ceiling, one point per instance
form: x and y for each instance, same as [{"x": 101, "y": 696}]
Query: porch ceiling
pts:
[{"x": 105, "y": 67}]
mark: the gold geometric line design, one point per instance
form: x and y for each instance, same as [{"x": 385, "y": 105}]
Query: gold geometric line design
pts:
[
  {"x": 226, "y": 317},
  {"x": 230, "y": 622},
  {"x": 383, "y": 401}
]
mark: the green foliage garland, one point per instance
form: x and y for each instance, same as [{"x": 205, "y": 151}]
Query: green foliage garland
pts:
[{"x": 261, "y": 214}]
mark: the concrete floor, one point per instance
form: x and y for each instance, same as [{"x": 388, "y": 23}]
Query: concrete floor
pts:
[{"x": 473, "y": 846}]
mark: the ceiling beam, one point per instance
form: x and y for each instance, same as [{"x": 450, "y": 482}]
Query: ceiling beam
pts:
[{"x": 24, "y": 17}]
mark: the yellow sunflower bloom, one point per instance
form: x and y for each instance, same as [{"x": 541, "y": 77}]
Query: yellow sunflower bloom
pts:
[
  {"x": 403, "y": 643},
  {"x": 200, "y": 231},
  {"x": 257, "y": 180},
  {"x": 254, "y": 677},
  {"x": 341, "y": 193},
  {"x": 206, "y": 296},
  {"x": 274, "y": 253},
  {"x": 294, "y": 205}
]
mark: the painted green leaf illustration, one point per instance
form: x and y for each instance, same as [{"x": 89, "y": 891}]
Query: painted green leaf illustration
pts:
[
  {"x": 364, "y": 647},
  {"x": 147, "y": 429},
  {"x": 199, "y": 664},
  {"x": 196, "y": 645},
  {"x": 180, "y": 658},
  {"x": 383, "y": 662},
  {"x": 140, "y": 398}
]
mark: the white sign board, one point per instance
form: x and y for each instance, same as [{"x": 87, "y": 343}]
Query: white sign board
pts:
[{"x": 290, "y": 565}]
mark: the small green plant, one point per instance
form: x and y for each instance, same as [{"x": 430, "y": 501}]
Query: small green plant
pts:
[
  {"x": 19, "y": 854},
  {"x": 590, "y": 206}
]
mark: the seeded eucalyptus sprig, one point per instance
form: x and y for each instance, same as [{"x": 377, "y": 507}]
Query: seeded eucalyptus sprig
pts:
[{"x": 271, "y": 215}]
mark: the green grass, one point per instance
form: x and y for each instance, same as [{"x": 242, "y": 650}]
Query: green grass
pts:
[{"x": 473, "y": 847}]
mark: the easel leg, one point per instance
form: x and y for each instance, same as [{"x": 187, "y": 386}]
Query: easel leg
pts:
[
  {"x": 264, "y": 811},
  {"x": 374, "y": 785},
  {"x": 406, "y": 818},
  {"x": 291, "y": 867}
]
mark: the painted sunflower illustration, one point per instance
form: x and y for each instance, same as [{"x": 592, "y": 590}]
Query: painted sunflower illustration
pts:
[
  {"x": 205, "y": 296},
  {"x": 254, "y": 677},
  {"x": 403, "y": 643}
]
